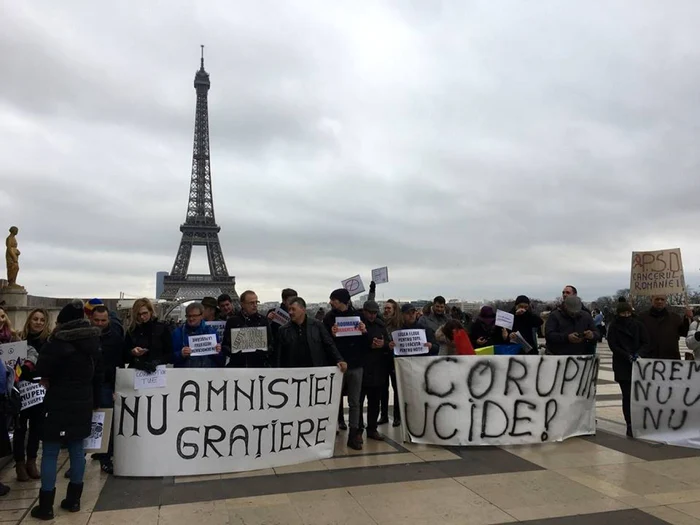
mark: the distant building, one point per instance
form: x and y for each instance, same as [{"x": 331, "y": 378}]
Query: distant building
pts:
[{"x": 160, "y": 283}]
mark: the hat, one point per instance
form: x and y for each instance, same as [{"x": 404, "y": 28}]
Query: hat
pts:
[
  {"x": 91, "y": 304},
  {"x": 522, "y": 299},
  {"x": 624, "y": 307},
  {"x": 73, "y": 311},
  {"x": 407, "y": 307},
  {"x": 341, "y": 294},
  {"x": 371, "y": 306},
  {"x": 573, "y": 304},
  {"x": 210, "y": 302}
]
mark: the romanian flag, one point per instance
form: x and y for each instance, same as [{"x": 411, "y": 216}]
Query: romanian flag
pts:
[{"x": 18, "y": 371}]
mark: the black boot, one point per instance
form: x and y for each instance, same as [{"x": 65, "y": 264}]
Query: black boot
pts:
[
  {"x": 353, "y": 441},
  {"x": 44, "y": 511},
  {"x": 72, "y": 501}
]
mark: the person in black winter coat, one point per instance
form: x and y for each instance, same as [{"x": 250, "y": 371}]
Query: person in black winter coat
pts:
[
  {"x": 248, "y": 317},
  {"x": 484, "y": 331},
  {"x": 570, "y": 329},
  {"x": 526, "y": 323},
  {"x": 628, "y": 339},
  {"x": 112, "y": 349},
  {"x": 70, "y": 369},
  {"x": 353, "y": 348},
  {"x": 376, "y": 369},
  {"x": 148, "y": 341}
]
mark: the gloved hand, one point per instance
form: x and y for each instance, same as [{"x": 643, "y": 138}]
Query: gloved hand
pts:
[
  {"x": 372, "y": 287},
  {"x": 147, "y": 366},
  {"x": 634, "y": 357}
]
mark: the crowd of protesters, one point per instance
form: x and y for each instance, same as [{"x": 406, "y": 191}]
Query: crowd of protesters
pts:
[{"x": 76, "y": 361}]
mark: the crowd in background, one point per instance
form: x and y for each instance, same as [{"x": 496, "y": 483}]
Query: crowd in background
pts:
[{"x": 76, "y": 361}]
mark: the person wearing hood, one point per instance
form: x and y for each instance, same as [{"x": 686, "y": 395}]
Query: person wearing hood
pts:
[
  {"x": 195, "y": 325},
  {"x": 70, "y": 368},
  {"x": 664, "y": 328},
  {"x": 28, "y": 423},
  {"x": 569, "y": 328},
  {"x": 484, "y": 331},
  {"x": 247, "y": 317},
  {"x": 436, "y": 316},
  {"x": 628, "y": 339},
  {"x": 354, "y": 350},
  {"x": 148, "y": 341},
  {"x": 526, "y": 323}
]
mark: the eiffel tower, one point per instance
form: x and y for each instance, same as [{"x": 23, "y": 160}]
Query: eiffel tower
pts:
[{"x": 200, "y": 228}]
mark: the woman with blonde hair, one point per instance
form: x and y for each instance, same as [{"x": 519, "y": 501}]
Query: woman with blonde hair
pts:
[
  {"x": 393, "y": 321},
  {"x": 148, "y": 340},
  {"x": 36, "y": 331}
]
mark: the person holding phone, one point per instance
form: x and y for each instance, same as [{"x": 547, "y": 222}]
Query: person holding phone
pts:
[{"x": 376, "y": 368}]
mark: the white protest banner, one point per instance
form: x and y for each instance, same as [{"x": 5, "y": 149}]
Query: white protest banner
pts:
[
  {"x": 204, "y": 344},
  {"x": 657, "y": 273},
  {"x": 496, "y": 400},
  {"x": 144, "y": 380},
  {"x": 279, "y": 316},
  {"x": 13, "y": 353},
  {"x": 249, "y": 339},
  {"x": 504, "y": 319},
  {"x": 410, "y": 342},
  {"x": 665, "y": 401},
  {"x": 31, "y": 394},
  {"x": 348, "y": 326},
  {"x": 212, "y": 421},
  {"x": 220, "y": 327},
  {"x": 380, "y": 275},
  {"x": 354, "y": 285},
  {"x": 98, "y": 442}
]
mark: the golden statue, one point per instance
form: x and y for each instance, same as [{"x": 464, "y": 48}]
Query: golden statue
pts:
[{"x": 12, "y": 257}]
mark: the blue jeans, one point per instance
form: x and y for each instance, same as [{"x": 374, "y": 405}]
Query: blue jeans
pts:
[{"x": 49, "y": 463}]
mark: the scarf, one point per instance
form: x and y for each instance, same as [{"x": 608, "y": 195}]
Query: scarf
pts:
[{"x": 5, "y": 334}]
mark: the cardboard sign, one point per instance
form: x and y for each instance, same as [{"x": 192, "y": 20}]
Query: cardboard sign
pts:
[
  {"x": 98, "y": 442},
  {"x": 144, "y": 380},
  {"x": 657, "y": 273},
  {"x": 348, "y": 326},
  {"x": 249, "y": 339},
  {"x": 220, "y": 327},
  {"x": 410, "y": 342},
  {"x": 204, "y": 344},
  {"x": 380, "y": 275},
  {"x": 13, "y": 354},
  {"x": 504, "y": 319},
  {"x": 220, "y": 420},
  {"x": 496, "y": 400},
  {"x": 665, "y": 402},
  {"x": 31, "y": 394},
  {"x": 354, "y": 285},
  {"x": 280, "y": 316}
]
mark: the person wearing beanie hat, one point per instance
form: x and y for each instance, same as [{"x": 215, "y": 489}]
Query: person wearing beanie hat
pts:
[
  {"x": 91, "y": 304},
  {"x": 628, "y": 339},
  {"x": 526, "y": 323},
  {"x": 70, "y": 366},
  {"x": 353, "y": 349}
]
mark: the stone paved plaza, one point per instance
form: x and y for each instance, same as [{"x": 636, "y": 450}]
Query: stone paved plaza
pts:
[{"x": 602, "y": 479}]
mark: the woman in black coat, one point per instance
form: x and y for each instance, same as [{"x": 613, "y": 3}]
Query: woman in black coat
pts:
[
  {"x": 484, "y": 331},
  {"x": 70, "y": 370},
  {"x": 526, "y": 323},
  {"x": 628, "y": 339},
  {"x": 148, "y": 341}
]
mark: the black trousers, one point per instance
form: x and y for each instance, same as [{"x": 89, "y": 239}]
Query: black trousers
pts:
[
  {"x": 374, "y": 397},
  {"x": 626, "y": 388},
  {"x": 385, "y": 398},
  {"x": 28, "y": 422}
]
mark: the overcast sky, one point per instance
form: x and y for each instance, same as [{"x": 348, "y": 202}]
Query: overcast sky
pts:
[{"x": 478, "y": 149}]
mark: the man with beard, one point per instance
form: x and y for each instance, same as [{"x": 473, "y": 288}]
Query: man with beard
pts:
[
  {"x": 569, "y": 328},
  {"x": 226, "y": 308},
  {"x": 664, "y": 328},
  {"x": 248, "y": 317},
  {"x": 437, "y": 315}
]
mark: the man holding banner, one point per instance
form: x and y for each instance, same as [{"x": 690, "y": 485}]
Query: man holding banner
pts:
[
  {"x": 248, "y": 317},
  {"x": 195, "y": 344}
]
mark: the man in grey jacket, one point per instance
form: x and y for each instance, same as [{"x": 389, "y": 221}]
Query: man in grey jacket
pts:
[{"x": 437, "y": 317}]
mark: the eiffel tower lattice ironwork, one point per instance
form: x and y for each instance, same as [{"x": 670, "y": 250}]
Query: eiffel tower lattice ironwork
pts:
[{"x": 200, "y": 228}]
